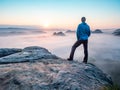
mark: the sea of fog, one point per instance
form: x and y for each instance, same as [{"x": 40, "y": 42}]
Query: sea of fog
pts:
[{"x": 104, "y": 48}]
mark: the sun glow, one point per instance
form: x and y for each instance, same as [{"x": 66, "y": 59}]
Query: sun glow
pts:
[{"x": 46, "y": 24}]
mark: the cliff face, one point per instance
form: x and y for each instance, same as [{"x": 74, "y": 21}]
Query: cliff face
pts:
[{"x": 42, "y": 70}]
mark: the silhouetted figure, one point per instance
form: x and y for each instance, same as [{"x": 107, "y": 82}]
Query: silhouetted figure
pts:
[{"x": 83, "y": 32}]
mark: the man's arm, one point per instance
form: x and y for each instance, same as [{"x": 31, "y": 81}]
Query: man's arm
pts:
[{"x": 89, "y": 32}]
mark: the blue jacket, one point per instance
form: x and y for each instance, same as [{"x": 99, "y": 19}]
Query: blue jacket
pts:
[{"x": 83, "y": 31}]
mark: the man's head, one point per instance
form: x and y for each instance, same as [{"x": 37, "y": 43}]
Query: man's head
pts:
[{"x": 83, "y": 19}]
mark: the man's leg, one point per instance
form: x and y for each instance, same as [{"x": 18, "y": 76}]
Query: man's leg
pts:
[
  {"x": 77, "y": 43},
  {"x": 85, "y": 45}
]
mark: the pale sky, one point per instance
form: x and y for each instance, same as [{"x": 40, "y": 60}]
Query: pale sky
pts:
[{"x": 61, "y": 13}]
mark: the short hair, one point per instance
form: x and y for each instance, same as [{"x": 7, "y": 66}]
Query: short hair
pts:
[{"x": 83, "y": 19}]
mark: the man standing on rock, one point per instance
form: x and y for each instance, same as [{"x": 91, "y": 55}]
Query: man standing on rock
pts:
[{"x": 83, "y": 32}]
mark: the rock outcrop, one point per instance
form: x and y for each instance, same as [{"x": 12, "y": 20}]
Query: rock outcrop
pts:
[
  {"x": 97, "y": 31},
  {"x": 50, "y": 73},
  {"x": 70, "y": 31},
  {"x": 28, "y": 54},
  {"x": 58, "y": 34},
  {"x": 117, "y": 32},
  {"x": 8, "y": 51}
]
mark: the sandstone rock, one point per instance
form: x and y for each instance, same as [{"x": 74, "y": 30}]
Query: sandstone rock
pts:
[
  {"x": 28, "y": 54},
  {"x": 52, "y": 74},
  {"x": 117, "y": 32},
  {"x": 70, "y": 31},
  {"x": 48, "y": 72},
  {"x": 8, "y": 51},
  {"x": 97, "y": 31},
  {"x": 59, "y": 34}
]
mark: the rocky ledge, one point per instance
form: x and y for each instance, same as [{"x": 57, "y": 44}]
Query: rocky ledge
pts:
[{"x": 48, "y": 72}]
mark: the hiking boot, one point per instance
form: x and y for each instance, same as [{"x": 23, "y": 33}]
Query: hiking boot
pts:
[{"x": 69, "y": 59}]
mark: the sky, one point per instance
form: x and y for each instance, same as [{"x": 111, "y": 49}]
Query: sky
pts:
[{"x": 65, "y": 14}]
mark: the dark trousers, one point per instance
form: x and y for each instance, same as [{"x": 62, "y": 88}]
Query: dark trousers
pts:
[{"x": 85, "y": 46}]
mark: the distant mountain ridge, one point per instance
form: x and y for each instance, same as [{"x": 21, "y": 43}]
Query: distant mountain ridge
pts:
[
  {"x": 14, "y": 28},
  {"x": 19, "y": 30},
  {"x": 20, "y": 27}
]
